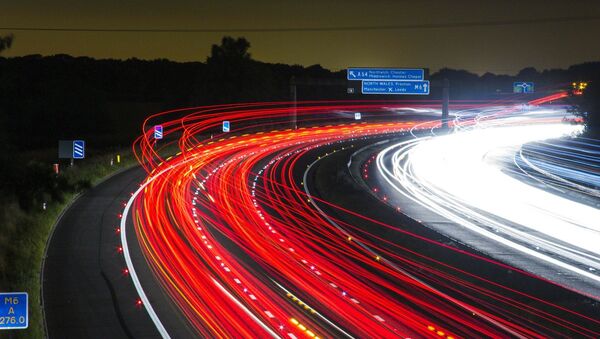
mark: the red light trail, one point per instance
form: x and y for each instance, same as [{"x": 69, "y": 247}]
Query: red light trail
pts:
[{"x": 235, "y": 241}]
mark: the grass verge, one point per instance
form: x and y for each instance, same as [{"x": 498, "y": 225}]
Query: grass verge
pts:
[{"x": 24, "y": 234}]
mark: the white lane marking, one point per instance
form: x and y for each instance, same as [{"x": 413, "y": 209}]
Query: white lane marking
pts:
[
  {"x": 246, "y": 310},
  {"x": 136, "y": 281},
  {"x": 317, "y": 313}
]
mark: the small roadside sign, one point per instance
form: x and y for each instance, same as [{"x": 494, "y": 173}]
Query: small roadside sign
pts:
[
  {"x": 65, "y": 149},
  {"x": 226, "y": 126},
  {"x": 14, "y": 310},
  {"x": 158, "y": 132},
  {"x": 357, "y": 116},
  {"x": 78, "y": 149}
]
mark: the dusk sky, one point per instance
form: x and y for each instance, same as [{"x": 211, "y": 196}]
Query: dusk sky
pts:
[{"x": 496, "y": 48}]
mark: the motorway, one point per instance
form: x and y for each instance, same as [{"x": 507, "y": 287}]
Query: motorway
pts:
[
  {"x": 85, "y": 293},
  {"x": 463, "y": 177},
  {"x": 261, "y": 232}
]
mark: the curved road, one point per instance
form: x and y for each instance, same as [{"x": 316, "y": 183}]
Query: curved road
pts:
[
  {"x": 231, "y": 244},
  {"x": 86, "y": 293}
]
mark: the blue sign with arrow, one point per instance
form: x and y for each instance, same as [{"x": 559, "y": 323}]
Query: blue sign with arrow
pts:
[
  {"x": 407, "y": 74},
  {"x": 396, "y": 87},
  {"x": 78, "y": 149},
  {"x": 523, "y": 87},
  {"x": 14, "y": 310}
]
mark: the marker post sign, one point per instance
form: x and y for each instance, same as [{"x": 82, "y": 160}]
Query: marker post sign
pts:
[
  {"x": 158, "y": 132},
  {"x": 357, "y": 116},
  {"x": 396, "y": 87},
  {"x": 78, "y": 149},
  {"x": 226, "y": 126},
  {"x": 14, "y": 311}
]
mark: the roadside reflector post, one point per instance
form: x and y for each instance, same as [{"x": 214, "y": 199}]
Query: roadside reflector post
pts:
[
  {"x": 294, "y": 99},
  {"x": 118, "y": 158},
  {"x": 445, "y": 103}
]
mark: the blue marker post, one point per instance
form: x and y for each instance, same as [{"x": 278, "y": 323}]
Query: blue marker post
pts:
[
  {"x": 158, "y": 132},
  {"x": 78, "y": 149}
]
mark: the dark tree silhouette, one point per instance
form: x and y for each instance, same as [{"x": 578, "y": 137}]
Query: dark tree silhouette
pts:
[
  {"x": 231, "y": 72},
  {"x": 230, "y": 50},
  {"x": 590, "y": 106},
  {"x": 528, "y": 74},
  {"x": 6, "y": 42}
]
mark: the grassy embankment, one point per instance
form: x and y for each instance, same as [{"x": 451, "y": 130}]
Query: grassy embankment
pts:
[{"x": 24, "y": 232}]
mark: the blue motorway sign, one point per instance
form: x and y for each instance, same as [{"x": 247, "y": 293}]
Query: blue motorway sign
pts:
[
  {"x": 226, "y": 126},
  {"x": 409, "y": 74},
  {"x": 78, "y": 149},
  {"x": 14, "y": 310},
  {"x": 523, "y": 87},
  {"x": 396, "y": 87},
  {"x": 158, "y": 132}
]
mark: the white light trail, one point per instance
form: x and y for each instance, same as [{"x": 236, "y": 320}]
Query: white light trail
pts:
[{"x": 460, "y": 177}]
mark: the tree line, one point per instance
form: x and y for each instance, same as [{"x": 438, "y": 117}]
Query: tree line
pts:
[{"x": 45, "y": 98}]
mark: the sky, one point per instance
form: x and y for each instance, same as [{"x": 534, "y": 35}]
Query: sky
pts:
[{"x": 496, "y": 48}]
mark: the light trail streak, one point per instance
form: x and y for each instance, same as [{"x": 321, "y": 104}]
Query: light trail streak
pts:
[
  {"x": 225, "y": 223},
  {"x": 131, "y": 269},
  {"x": 460, "y": 177}
]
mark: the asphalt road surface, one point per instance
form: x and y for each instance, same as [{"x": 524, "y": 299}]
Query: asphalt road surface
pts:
[{"x": 86, "y": 293}]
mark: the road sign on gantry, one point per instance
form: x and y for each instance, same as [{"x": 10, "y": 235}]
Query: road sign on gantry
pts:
[
  {"x": 158, "y": 132},
  {"x": 78, "y": 149},
  {"x": 226, "y": 126},
  {"x": 14, "y": 310},
  {"x": 396, "y": 87},
  {"x": 523, "y": 87},
  {"x": 406, "y": 74}
]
